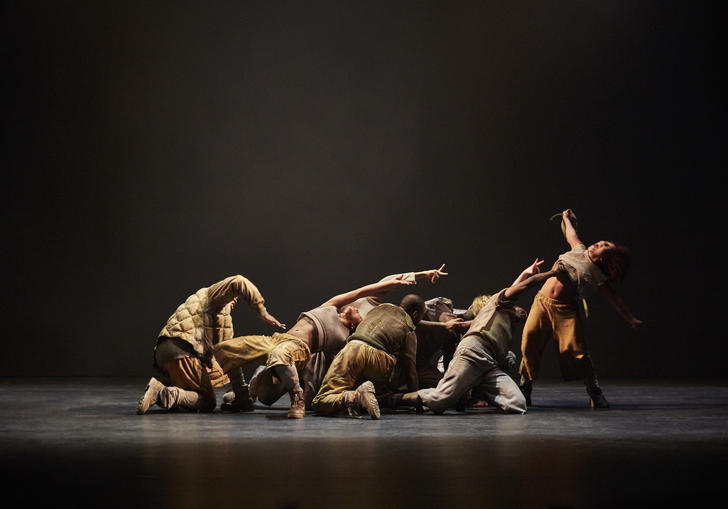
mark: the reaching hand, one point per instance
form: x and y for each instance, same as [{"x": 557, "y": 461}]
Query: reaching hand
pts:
[
  {"x": 533, "y": 268},
  {"x": 268, "y": 318},
  {"x": 636, "y": 324},
  {"x": 435, "y": 274},
  {"x": 453, "y": 325}
]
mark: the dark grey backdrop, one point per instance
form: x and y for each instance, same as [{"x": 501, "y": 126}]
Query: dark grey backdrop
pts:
[{"x": 153, "y": 148}]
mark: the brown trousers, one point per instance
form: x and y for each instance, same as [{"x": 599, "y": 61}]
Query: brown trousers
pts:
[
  {"x": 357, "y": 362},
  {"x": 551, "y": 318},
  {"x": 196, "y": 382}
]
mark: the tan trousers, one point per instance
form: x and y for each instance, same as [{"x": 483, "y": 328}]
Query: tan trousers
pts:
[
  {"x": 550, "y": 318},
  {"x": 195, "y": 384},
  {"x": 357, "y": 362},
  {"x": 278, "y": 349}
]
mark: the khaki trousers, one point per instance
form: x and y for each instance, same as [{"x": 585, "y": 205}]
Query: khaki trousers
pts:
[
  {"x": 278, "y": 349},
  {"x": 548, "y": 319},
  {"x": 357, "y": 362}
]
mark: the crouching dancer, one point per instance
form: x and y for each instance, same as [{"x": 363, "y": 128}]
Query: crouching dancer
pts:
[
  {"x": 480, "y": 358},
  {"x": 385, "y": 337},
  {"x": 182, "y": 355}
]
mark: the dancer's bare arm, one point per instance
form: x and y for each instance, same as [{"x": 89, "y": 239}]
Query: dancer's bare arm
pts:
[
  {"x": 367, "y": 291},
  {"x": 521, "y": 284},
  {"x": 619, "y": 305},
  {"x": 569, "y": 230},
  {"x": 529, "y": 271},
  {"x": 385, "y": 285}
]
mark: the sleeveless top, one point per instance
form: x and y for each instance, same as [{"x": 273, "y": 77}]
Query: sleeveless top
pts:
[
  {"x": 493, "y": 326},
  {"x": 331, "y": 332}
]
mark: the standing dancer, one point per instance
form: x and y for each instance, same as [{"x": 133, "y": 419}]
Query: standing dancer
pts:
[{"x": 555, "y": 311}]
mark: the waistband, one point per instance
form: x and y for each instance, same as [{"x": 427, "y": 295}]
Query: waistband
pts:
[
  {"x": 572, "y": 304},
  {"x": 279, "y": 337}
]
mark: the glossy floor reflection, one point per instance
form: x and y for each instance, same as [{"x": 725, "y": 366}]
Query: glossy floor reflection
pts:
[{"x": 79, "y": 441}]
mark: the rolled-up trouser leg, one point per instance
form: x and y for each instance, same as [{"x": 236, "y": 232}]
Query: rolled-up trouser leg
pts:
[
  {"x": 289, "y": 354},
  {"x": 174, "y": 398},
  {"x": 355, "y": 363},
  {"x": 499, "y": 389},
  {"x": 191, "y": 388}
]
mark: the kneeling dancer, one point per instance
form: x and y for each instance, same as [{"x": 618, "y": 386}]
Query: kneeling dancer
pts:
[
  {"x": 383, "y": 338},
  {"x": 188, "y": 372}
]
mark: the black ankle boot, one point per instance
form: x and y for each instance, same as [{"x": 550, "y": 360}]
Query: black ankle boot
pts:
[
  {"x": 527, "y": 388},
  {"x": 597, "y": 399}
]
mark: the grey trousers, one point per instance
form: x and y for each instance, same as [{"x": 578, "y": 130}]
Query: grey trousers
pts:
[{"x": 473, "y": 367}]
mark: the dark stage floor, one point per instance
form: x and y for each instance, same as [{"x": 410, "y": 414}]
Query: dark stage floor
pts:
[{"x": 79, "y": 441}]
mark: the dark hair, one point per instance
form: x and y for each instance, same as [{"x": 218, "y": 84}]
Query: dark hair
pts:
[
  {"x": 616, "y": 264},
  {"x": 411, "y": 303}
]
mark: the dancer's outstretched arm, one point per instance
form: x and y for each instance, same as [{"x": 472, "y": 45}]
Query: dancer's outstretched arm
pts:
[
  {"x": 531, "y": 276},
  {"x": 383, "y": 286},
  {"x": 619, "y": 305},
  {"x": 367, "y": 291}
]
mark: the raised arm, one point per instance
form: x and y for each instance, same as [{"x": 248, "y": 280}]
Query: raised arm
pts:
[
  {"x": 569, "y": 230},
  {"x": 368, "y": 290},
  {"x": 619, "y": 305},
  {"x": 529, "y": 271},
  {"x": 532, "y": 278}
]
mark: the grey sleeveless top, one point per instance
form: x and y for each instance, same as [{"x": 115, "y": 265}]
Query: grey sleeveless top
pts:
[{"x": 331, "y": 332}]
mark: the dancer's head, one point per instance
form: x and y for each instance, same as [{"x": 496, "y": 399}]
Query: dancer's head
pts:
[
  {"x": 478, "y": 303},
  {"x": 350, "y": 317},
  {"x": 414, "y": 306},
  {"x": 611, "y": 258}
]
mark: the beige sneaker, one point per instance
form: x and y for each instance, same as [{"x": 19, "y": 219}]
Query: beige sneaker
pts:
[
  {"x": 150, "y": 395},
  {"x": 365, "y": 397},
  {"x": 298, "y": 406}
]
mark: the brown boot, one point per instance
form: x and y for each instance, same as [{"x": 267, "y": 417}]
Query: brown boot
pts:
[
  {"x": 149, "y": 397},
  {"x": 298, "y": 406},
  {"x": 365, "y": 397}
]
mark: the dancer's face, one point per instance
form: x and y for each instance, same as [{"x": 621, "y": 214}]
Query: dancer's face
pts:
[
  {"x": 350, "y": 317},
  {"x": 599, "y": 250}
]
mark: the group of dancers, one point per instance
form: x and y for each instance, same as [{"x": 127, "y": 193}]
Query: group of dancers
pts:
[{"x": 355, "y": 354}]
